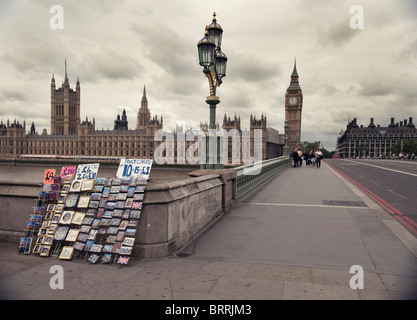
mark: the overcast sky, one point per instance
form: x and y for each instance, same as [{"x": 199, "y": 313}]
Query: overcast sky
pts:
[{"x": 117, "y": 47}]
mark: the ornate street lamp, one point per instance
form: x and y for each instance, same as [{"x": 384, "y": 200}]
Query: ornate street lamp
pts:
[
  {"x": 214, "y": 62},
  {"x": 286, "y": 149}
]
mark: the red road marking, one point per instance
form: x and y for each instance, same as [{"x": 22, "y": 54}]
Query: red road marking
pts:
[{"x": 406, "y": 221}]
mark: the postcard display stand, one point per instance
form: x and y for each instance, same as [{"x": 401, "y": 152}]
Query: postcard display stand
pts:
[{"x": 93, "y": 220}]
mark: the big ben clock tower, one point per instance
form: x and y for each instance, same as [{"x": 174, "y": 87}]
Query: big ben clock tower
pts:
[{"x": 293, "y": 108}]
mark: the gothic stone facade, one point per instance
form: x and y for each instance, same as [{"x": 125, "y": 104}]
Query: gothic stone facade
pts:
[{"x": 376, "y": 139}]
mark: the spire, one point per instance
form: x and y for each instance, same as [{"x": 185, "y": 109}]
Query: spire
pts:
[
  {"x": 66, "y": 76},
  {"x": 144, "y": 99},
  {"x": 294, "y": 72}
]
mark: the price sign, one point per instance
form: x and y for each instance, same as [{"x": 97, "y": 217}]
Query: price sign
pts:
[
  {"x": 48, "y": 176},
  {"x": 87, "y": 171},
  {"x": 65, "y": 171},
  {"x": 134, "y": 168}
]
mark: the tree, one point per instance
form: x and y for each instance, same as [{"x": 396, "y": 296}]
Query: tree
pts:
[{"x": 409, "y": 146}]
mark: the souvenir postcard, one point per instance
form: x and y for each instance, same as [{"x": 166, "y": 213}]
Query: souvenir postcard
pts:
[
  {"x": 56, "y": 218},
  {"x": 102, "y": 230},
  {"x": 130, "y": 191},
  {"x": 61, "y": 233},
  {"x": 108, "y": 182},
  {"x": 121, "y": 196},
  {"x": 47, "y": 240},
  {"x": 94, "y": 204},
  {"x": 108, "y": 248},
  {"x": 105, "y": 222},
  {"x": 133, "y": 223},
  {"x": 82, "y": 237},
  {"x": 78, "y": 218},
  {"x": 128, "y": 203},
  {"x": 125, "y": 181},
  {"x": 115, "y": 221},
  {"x": 85, "y": 229},
  {"x": 83, "y": 202},
  {"x": 52, "y": 228},
  {"x": 66, "y": 217},
  {"x": 102, "y": 202},
  {"x": 116, "y": 247},
  {"x": 96, "y": 223},
  {"x": 112, "y": 197},
  {"x": 110, "y": 205},
  {"x": 128, "y": 241},
  {"x": 115, "y": 189},
  {"x": 140, "y": 189},
  {"x": 49, "y": 215},
  {"x": 139, "y": 197},
  {"x": 88, "y": 245},
  {"x": 100, "y": 212},
  {"x": 65, "y": 188},
  {"x": 46, "y": 224},
  {"x": 117, "y": 213},
  {"x": 92, "y": 234},
  {"x": 96, "y": 248},
  {"x": 95, "y": 196},
  {"x": 72, "y": 235},
  {"x": 44, "y": 251},
  {"x": 59, "y": 208},
  {"x": 119, "y": 205},
  {"x": 112, "y": 230},
  {"x": 126, "y": 214},
  {"x": 25, "y": 245},
  {"x": 71, "y": 200},
  {"x": 123, "y": 224},
  {"x": 87, "y": 220},
  {"x": 135, "y": 214},
  {"x": 101, "y": 181},
  {"x": 39, "y": 240},
  {"x": 110, "y": 239},
  {"x": 123, "y": 259},
  {"x": 75, "y": 186},
  {"x": 93, "y": 258},
  {"x": 130, "y": 232},
  {"x": 136, "y": 205},
  {"x": 79, "y": 246},
  {"x": 37, "y": 249},
  {"x": 106, "y": 258},
  {"x": 124, "y": 188},
  {"x": 125, "y": 250},
  {"x": 120, "y": 236},
  {"x": 42, "y": 231},
  {"x": 51, "y": 207},
  {"x": 88, "y": 185},
  {"x": 106, "y": 192},
  {"x": 91, "y": 212},
  {"x": 98, "y": 189},
  {"x": 116, "y": 182},
  {"x": 66, "y": 253}
]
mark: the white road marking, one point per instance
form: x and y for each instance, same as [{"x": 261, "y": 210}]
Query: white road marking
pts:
[
  {"x": 393, "y": 170},
  {"x": 397, "y": 194},
  {"x": 304, "y": 205}
]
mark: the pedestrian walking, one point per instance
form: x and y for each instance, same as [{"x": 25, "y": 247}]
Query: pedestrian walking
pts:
[
  {"x": 295, "y": 158},
  {"x": 319, "y": 156}
]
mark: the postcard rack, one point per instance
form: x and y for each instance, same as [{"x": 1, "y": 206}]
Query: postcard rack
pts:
[{"x": 91, "y": 220}]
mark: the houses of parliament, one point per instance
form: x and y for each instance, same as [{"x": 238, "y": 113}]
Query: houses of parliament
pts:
[{"x": 71, "y": 136}]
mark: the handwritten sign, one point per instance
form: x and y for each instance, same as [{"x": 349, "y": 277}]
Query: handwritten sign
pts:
[
  {"x": 86, "y": 171},
  {"x": 134, "y": 168},
  {"x": 66, "y": 171},
  {"x": 48, "y": 176}
]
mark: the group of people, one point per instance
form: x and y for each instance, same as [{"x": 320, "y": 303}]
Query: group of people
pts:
[{"x": 311, "y": 158}]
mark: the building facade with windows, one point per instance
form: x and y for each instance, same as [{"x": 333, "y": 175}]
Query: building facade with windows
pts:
[{"x": 373, "y": 140}]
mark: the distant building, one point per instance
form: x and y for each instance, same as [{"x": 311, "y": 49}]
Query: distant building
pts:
[
  {"x": 373, "y": 140},
  {"x": 71, "y": 136}
]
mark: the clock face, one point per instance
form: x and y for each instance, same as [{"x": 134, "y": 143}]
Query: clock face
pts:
[{"x": 293, "y": 100}]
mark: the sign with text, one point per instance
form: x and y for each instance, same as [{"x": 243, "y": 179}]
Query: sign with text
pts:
[
  {"x": 134, "y": 168},
  {"x": 86, "y": 171},
  {"x": 48, "y": 176},
  {"x": 66, "y": 171}
]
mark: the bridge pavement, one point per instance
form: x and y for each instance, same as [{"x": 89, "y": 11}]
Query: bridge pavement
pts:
[{"x": 295, "y": 238}]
